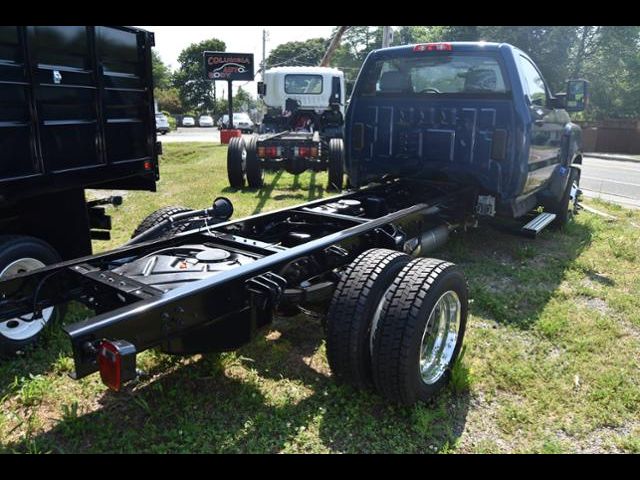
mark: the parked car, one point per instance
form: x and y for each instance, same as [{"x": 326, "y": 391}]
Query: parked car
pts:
[
  {"x": 162, "y": 123},
  {"x": 188, "y": 122},
  {"x": 241, "y": 121},
  {"x": 205, "y": 121}
]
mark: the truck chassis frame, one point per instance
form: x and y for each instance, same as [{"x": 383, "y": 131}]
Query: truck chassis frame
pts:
[{"x": 297, "y": 254}]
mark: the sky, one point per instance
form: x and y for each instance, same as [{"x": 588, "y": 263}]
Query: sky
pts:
[{"x": 171, "y": 40}]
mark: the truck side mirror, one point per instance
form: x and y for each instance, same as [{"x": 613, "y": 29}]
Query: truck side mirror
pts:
[
  {"x": 262, "y": 89},
  {"x": 336, "y": 91},
  {"x": 577, "y": 96},
  {"x": 559, "y": 101}
]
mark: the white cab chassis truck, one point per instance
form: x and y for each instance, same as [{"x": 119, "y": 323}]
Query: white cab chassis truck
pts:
[{"x": 302, "y": 129}]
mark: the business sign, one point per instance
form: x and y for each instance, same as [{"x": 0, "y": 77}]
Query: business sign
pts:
[{"x": 228, "y": 66}]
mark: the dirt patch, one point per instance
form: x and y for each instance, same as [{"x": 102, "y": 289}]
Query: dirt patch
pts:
[
  {"x": 595, "y": 303},
  {"x": 481, "y": 428}
]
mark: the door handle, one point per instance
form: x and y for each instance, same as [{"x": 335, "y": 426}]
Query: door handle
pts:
[{"x": 539, "y": 122}]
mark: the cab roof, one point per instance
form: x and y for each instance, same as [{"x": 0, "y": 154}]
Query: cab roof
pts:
[{"x": 302, "y": 70}]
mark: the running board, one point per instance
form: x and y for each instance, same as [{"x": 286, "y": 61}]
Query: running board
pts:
[{"x": 535, "y": 226}]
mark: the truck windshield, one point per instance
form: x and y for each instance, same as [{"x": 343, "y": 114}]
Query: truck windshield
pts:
[
  {"x": 435, "y": 74},
  {"x": 303, "y": 84}
]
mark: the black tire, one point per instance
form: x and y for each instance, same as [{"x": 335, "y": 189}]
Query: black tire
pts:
[
  {"x": 336, "y": 164},
  {"x": 160, "y": 216},
  {"x": 255, "y": 173},
  {"x": 398, "y": 336},
  {"x": 235, "y": 162},
  {"x": 565, "y": 208},
  {"x": 14, "y": 248},
  {"x": 351, "y": 313}
]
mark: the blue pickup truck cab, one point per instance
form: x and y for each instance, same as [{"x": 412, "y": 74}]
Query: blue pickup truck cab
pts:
[{"x": 475, "y": 113}]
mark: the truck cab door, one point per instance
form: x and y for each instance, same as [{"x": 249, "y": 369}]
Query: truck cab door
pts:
[
  {"x": 546, "y": 127},
  {"x": 337, "y": 93}
]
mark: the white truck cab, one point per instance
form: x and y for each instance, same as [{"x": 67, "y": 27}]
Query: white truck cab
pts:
[{"x": 315, "y": 88}]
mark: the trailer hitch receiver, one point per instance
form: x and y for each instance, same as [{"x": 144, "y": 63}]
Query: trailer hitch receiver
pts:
[{"x": 117, "y": 363}]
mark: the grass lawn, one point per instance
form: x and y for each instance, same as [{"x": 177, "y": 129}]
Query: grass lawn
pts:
[{"x": 551, "y": 363}]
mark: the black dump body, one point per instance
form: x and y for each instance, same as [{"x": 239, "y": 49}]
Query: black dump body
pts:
[{"x": 76, "y": 110}]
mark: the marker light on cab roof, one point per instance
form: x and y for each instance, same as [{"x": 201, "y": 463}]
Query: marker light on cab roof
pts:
[{"x": 433, "y": 47}]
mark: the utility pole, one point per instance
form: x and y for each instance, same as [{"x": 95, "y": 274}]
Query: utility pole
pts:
[
  {"x": 387, "y": 36},
  {"x": 214, "y": 99},
  {"x": 263, "y": 65}
]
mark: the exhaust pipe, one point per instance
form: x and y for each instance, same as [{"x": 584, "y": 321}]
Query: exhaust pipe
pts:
[{"x": 428, "y": 241}]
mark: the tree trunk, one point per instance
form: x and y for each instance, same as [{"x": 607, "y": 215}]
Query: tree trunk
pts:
[{"x": 335, "y": 43}]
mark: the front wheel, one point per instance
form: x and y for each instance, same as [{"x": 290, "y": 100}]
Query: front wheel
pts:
[
  {"x": 158, "y": 217},
  {"x": 19, "y": 254},
  {"x": 420, "y": 330},
  {"x": 567, "y": 207}
]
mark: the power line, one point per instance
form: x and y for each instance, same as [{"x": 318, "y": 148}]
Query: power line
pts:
[{"x": 292, "y": 59}]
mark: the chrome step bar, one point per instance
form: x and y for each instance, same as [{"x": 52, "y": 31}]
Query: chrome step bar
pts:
[{"x": 535, "y": 226}]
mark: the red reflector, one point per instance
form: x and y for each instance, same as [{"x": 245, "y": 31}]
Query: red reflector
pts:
[
  {"x": 110, "y": 364},
  {"x": 116, "y": 362},
  {"x": 148, "y": 165},
  {"x": 433, "y": 47}
]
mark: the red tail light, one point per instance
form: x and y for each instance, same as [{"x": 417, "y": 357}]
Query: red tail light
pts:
[
  {"x": 433, "y": 47},
  {"x": 303, "y": 152},
  {"x": 117, "y": 363},
  {"x": 272, "y": 152},
  {"x": 148, "y": 165}
]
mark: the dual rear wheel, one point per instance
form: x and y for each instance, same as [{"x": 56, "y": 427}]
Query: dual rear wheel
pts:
[
  {"x": 397, "y": 324},
  {"x": 243, "y": 162}
]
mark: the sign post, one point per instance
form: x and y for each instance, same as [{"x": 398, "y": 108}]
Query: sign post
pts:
[{"x": 228, "y": 66}]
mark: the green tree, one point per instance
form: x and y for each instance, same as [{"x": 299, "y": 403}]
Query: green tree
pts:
[
  {"x": 549, "y": 47},
  {"x": 168, "y": 99},
  {"x": 611, "y": 62},
  {"x": 243, "y": 101},
  {"x": 294, "y": 53},
  {"x": 195, "y": 91},
  {"x": 607, "y": 56},
  {"x": 161, "y": 72}
]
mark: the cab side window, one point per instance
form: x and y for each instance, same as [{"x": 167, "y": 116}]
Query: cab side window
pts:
[{"x": 535, "y": 84}]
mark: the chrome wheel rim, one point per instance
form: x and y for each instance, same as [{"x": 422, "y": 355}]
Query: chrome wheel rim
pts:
[
  {"x": 25, "y": 326},
  {"x": 439, "y": 337},
  {"x": 243, "y": 159}
]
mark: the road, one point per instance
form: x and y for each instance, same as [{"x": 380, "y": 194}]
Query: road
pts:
[
  {"x": 611, "y": 180},
  {"x": 191, "y": 134}
]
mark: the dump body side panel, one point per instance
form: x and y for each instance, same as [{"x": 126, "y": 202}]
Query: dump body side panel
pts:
[{"x": 76, "y": 109}]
